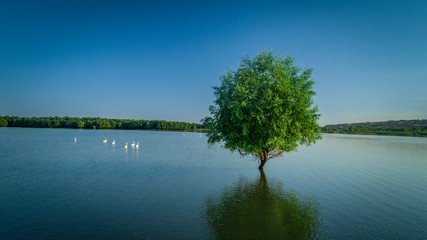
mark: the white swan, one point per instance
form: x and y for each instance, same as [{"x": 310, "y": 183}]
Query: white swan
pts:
[
  {"x": 75, "y": 139},
  {"x": 113, "y": 142},
  {"x": 137, "y": 145},
  {"x": 126, "y": 146},
  {"x": 105, "y": 140},
  {"x": 133, "y": 144}
]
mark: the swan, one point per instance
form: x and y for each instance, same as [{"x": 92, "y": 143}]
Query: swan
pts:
[
  {"x": 113, "y": 142},
  {"x": 105, "y": 140},
  {"x": 126, "y": 146},
  {"x": 75, "y": 139},
  {"x": 133, "y": 144},
  {"x": 137, "y": 145}
]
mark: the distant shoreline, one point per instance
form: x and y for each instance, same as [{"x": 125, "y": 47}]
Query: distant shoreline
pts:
[
  {"x": 204, "y": 131},
  {"x": 409, "y": 128},
  {"x": 154, "y": 130},
  {"x": 373, "y": 134},
  {"x": 97, "y": 123},
  {"x": 414, "y": 128}
]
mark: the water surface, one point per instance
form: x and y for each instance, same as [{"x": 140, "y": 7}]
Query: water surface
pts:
[{"x": 176, "y": 187}]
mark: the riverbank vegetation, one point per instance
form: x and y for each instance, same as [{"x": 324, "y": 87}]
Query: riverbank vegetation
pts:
[
  {"x": 416, "y": 128},
  {"x": 97, "y": 123},
  {"x": 395, "y": 128}
]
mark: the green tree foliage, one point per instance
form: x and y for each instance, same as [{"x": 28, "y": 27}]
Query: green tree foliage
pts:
[
  {"x": 258, "y": 210},
  {"x": 97, "y": 123},
  {"x": 3, "y": 122},
  {"x": 265, "y": 108},
  {"x": 398, "y": 128}
]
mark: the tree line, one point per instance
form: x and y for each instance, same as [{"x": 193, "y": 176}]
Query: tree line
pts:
[
  {"x": 377, "y": 130},
  {"x": 391, "y": 124},
  {"x": 96, "y": 123}
]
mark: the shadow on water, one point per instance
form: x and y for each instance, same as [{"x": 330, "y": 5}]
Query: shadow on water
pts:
[{"x": 261, "y": 210}]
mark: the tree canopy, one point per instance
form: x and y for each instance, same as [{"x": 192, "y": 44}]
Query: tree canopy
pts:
[
  {"x": 3, "y": 122},
  {"x": 265, "y": 108}
]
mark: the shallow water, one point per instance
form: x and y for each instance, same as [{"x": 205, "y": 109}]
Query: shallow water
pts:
[{"x": 177, "y": 187}]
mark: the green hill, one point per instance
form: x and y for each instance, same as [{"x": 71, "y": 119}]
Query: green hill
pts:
[{"x": 414, "y": 127}]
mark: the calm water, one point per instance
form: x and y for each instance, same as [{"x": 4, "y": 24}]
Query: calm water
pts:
[{"x": 176, "y": 187}]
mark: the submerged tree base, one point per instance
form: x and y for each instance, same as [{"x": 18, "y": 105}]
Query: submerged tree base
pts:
[{"x": 261, "y": 166}]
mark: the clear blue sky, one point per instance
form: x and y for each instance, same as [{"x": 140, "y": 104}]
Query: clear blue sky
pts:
[{"x": 160, "y": 59}]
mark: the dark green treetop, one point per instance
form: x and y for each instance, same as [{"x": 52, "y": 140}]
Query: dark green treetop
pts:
[
  {"x": 3, "y": 122},
  {"x": 265, "y": 108}
]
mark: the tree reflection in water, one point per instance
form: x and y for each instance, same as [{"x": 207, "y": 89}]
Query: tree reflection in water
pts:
[{"x": 260, "y": 210}]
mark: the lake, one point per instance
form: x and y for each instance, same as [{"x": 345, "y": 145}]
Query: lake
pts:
[{"x": 175, "y": 186}]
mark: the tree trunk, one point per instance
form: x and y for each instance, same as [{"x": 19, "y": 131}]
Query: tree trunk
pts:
[
  {"x": 264, "y": 158},
  {"x": 261, "y": 166}
]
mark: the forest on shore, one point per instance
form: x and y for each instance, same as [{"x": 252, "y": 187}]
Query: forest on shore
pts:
[
  {"x": 96, "y": 123},
  {"x": 397, "y": 128}
]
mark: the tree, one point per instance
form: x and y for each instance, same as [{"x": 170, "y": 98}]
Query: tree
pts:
[
  {"x": 80, "y": 124},
  {"x": 265, "y": 108},
  {"x": 3, "y": 122}
]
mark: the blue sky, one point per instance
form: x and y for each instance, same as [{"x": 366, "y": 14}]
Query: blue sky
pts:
[{"x": 160, "y": 59}]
